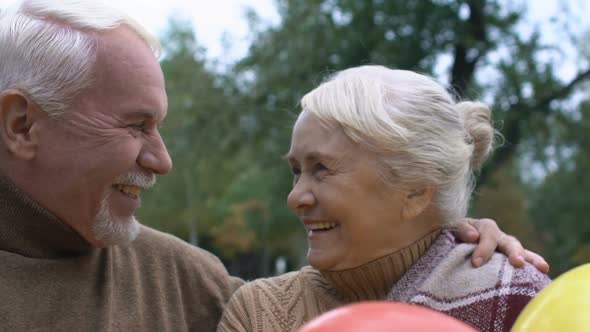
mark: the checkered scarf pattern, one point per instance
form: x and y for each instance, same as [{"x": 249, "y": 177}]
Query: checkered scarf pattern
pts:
[{"x": 489, "y": 298}]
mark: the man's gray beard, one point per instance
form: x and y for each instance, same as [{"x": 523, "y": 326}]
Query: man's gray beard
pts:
[{"x": 112, "y": 230}]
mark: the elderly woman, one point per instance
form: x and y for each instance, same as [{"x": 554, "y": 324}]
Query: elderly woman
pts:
[{"x": 383, "y": 164}]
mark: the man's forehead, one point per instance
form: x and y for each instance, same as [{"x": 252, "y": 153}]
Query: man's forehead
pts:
[
  {"x": 121, "y": 50},
  {"x": 129, "y": 81}
]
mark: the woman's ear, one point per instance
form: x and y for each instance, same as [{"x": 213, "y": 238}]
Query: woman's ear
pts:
[
  {"x": 18, "y": 114},
  {"x": 415, "y": 202}
]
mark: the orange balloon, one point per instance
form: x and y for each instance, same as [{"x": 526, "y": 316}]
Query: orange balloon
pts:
[{"x": 385, "y": 317}]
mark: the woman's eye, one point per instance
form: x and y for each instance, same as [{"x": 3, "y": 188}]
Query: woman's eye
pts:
[
  {"x": 295, "y": 170},
  {"x": 320, "y": 167}
]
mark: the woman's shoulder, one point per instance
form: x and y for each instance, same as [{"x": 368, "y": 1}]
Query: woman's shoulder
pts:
[
  {"x": 271, "y": 286},
  {"x": 269, "y": 304},
  {"x": 457, "y": 266},
  {"x": 445, "y": 273},
  {"x": 455, "y": 275},
  {"x": 454, "y": 286},
  {"x": 448, "y": 267}
]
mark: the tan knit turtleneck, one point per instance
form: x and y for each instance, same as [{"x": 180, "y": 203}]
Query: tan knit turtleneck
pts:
[
  {"x": 53, "y": 280},
  {"x": 286, "y": 302},
  {"x": 372, "y": 281},
  {"x": 28, "y": 229}
]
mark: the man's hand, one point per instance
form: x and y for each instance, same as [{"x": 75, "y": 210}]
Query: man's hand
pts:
[{"x": 489, "y": 237}]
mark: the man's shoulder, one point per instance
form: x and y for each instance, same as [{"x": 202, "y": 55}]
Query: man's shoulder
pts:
[
  {"x": 152, "y": 244},
  {"x": 150, "y": 237},
  {"x": 167, "y": 254}
]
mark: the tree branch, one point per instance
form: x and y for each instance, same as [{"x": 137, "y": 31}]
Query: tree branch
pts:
[
  {"x": 564, "y": 91},
  {"x": 463, "y": 69},
  {"x": 513, "y": 124}
]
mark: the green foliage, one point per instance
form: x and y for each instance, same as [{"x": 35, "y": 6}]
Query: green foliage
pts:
[
  {"x": 491, "y": 59},
  {"x": 199, "y": 132},
  {"x": 560, "y": 203},
  {"x": 221, "y": 194},
  {"x": 226, "y": 132}
]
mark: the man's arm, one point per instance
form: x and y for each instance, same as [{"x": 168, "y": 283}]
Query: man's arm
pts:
[{"x": 489, "y": 237}]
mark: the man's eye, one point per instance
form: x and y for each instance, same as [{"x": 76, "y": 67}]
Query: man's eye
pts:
[{"x": 137, "y": 126}]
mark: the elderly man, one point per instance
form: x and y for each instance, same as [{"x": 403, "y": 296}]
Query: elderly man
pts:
[{"x": 81, "y": 97}]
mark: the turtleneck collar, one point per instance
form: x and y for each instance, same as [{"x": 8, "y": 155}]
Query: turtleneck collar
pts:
[
  {"x": 373, "y": 280},
  {"x": 28, "y": 229}
]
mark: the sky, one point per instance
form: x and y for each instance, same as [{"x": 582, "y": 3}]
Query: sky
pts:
[{"x": 212, "y": 18}]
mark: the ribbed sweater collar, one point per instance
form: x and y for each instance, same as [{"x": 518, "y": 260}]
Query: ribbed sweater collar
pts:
[
  {"x": 28, "y": 229},
  {"x": 373, "y": 280}
]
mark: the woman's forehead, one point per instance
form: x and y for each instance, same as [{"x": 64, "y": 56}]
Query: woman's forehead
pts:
[{"x": 313, "y": 141}]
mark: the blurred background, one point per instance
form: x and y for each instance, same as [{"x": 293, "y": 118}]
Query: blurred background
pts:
[{"x": 235, "y": 71}]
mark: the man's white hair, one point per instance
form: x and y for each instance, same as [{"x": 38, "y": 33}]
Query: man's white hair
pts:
[
  {"x": 414, "y": 126},
  {"x": 48, "y": 48}
]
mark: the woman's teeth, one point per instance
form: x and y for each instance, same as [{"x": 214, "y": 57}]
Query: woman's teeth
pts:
[{"x": 322, "y": 226}]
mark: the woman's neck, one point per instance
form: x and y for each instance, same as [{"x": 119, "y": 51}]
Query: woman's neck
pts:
[{"x": 373, "y": 280}]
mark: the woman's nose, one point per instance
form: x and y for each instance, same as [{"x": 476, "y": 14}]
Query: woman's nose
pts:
[{"x": 301, "y": 196}]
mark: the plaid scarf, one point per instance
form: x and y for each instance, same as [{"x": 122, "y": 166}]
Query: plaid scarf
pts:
[{"x": 488, "y": 298}]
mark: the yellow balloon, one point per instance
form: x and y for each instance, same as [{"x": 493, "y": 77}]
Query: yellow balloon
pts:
[{"x": 564, "y": 305}]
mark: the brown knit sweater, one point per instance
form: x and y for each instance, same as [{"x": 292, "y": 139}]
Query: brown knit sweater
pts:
[
  {"x": 286, "y": 302},
  {"x": 52, "y": 280}
]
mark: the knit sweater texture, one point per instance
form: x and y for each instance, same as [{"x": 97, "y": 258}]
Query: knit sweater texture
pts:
[
  {"x": 53, "y": 280},
  {"x": 433, "y": 272},
  {"x": 286, "y": 302}
]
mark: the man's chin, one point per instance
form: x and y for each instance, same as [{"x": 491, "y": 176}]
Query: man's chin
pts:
[{"x": 116, "y": 231}]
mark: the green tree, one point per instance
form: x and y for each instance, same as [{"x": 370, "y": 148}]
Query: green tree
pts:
[
  {"x": 560, "y": 203},
  {"x": 227, "y": 131},
  {"x": 490, "y": 59},
  {"x": 213, "y": 197},
  {"x": 199, "y": 133}
]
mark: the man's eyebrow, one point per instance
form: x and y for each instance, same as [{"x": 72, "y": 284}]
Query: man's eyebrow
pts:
[
  {"x": 140, "y": 115},
  {"x": 145, "y": 115}
]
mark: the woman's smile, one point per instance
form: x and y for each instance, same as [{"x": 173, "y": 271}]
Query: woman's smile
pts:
[{"x": 317, "y": 228}]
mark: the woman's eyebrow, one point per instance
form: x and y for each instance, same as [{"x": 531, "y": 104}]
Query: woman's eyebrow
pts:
[{"x": 312, "y": 156}]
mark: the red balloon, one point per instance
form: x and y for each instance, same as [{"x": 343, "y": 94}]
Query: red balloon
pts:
[{"x": 385, "y": 317}]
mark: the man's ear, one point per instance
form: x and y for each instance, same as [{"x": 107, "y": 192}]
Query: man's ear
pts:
[
  {"x": 18, "y": 114},
  {"x": 415, "y": 202}
]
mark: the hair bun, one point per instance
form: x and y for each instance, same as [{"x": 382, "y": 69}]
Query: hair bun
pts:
[{"x": 477, "y": 121}]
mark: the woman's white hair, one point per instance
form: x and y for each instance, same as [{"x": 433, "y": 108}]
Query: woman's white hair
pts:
[
  {"x": 48, "y": 47},
  {"x": 417, "y": 130}
]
